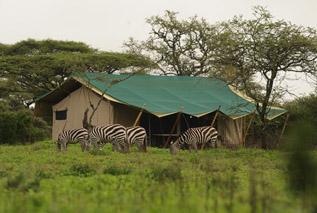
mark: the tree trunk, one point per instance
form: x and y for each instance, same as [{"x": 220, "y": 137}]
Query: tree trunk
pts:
[{"x": 263, "y": 129}]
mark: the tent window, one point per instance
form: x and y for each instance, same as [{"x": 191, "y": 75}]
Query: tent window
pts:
[{"x": 61, "y": 115}]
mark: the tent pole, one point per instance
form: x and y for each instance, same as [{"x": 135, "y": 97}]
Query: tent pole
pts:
[
  {"x": 139, "y": 116},
  {"x": 150, "y": 131},
  {"x": 246, "y": 131},
  {"x": 170, "y": 135},
  {"x": 282, "y": 133},
  {"x": 212, "y": 123},
  {"x": 244, "y": 124}
]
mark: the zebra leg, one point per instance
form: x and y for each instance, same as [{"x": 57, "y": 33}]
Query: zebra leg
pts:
[
  {"x": 64, "y": 145},
  {"x": 195, "y": 147},
  {"x": 190, "y": 148},
  {"x": 114, "y": 146},
  {"x": 94, "y": 142},
  {"x": 124, "y": 147},
  {"x": 83, "y": 146},
  {"x": 140, "y": 148},
  {"x": 88, "y": 145},
  {"x": 59, "y": 146}
]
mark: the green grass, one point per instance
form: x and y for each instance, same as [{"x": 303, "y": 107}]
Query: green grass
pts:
[{"x": 37, "y": 178}]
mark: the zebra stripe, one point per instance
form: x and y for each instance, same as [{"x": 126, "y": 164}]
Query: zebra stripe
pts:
[
  {"x": 137, "y": 136},
  {"x": 115, "y": 134},
  {"x": 194, "y": 136},
  {"x": 73, "y": 136}
]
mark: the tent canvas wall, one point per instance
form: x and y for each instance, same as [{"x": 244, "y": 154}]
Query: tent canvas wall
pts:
[
  {"x": 123, "y": 96},
  {"x": 74, "y": 105}
]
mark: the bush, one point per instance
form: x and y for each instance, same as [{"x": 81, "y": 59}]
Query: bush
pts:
[
  {"x": 41, "y": 174},
  {"x": 97, "y": 152},
  {"x": 304, "y": 109},
  {"x": 81, "y": 170},
  {"x": 114, "y": 170},
  {"x": 17, "y": 127},
  {"x": 8, "y": 124},
  {"x": 21, "y": 183},
  {"x": 169, "y": 173}
]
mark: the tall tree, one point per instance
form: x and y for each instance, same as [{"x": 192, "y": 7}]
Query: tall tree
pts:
[
  {"x": 178, "y": 47},
  {"x": 262, "y": 53},
  {"x": 31, "y": 67}
]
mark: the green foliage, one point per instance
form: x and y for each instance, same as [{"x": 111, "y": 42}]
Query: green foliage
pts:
[
  {"x": 30, "y": 68},
  {"x": 165, "y": 174},
  {"x": 304, "y": 109},
  {"x": 97, "y": 152},
  {"x": 17, "y": 127},
  {"x": 302, "y": 164},
  {"x": 114, "y": 170},
  {"x": 8, "y": 127},
  {"x": 180, "y": 47},
  {"x": 37, "y": 178},
  {"x": 81, "y": 170},
  {"x": 271, "y": 49},
  {"x": 34, "y": 47},
  {"x": 41, "y": 174},
  {"x": 21, "y": 183}
]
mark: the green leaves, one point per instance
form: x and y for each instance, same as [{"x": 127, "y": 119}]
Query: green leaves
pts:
[
  {"x": 33, "y": 47},
  {"x": 178, "y": 46},
  {"x": 29, "y": 68}
]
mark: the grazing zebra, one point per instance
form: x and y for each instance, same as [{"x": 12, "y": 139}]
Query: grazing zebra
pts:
[
  {"x": 194, "y": 136},
  {"x": 115, "y": 134},
  {"x": 137, "y": 136},
  {"x": 73, "y": 136}
]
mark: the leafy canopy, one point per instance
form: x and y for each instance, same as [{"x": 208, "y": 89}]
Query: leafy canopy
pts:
[{"x": 31, "y": 67}]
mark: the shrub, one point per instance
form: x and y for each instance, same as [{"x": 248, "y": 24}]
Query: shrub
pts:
[
  {"x": 97, "y": 152},
  {"x": 42, "y": 174},
  {"x": 114, "y": 170},
  {"x": 17, "y": 127},
  {"x": 169, "y": 173},
  {"x": 15, "y": 181},
  {"x": 21, "y": 183},
  {"x": 81, "y": 170},
  {"x": 8, "y": 127}
]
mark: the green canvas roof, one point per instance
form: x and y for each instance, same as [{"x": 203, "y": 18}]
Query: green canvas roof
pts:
[{"x": 164, "y": 95}]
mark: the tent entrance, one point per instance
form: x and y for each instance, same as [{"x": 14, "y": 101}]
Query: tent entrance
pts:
[{"x": 158, "y": 129}]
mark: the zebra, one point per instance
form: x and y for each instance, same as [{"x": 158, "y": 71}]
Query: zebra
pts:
[
  {"x": 194, "y": 136},
  {"x": 73, "y": 136},
  {"x": 137, "y": 136},
  {"x": 115, "y": 134}
]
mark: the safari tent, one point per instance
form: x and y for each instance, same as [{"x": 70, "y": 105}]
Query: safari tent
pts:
[{"x": 120, "y": 97}]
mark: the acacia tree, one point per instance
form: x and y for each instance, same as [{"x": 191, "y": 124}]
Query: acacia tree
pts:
[
  {"x": 264, "y": 52},
  {"x": 31, "y": 67},
  {"x": 178, "y": 47}
]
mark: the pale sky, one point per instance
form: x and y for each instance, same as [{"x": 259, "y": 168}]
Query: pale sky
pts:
[{"x": 106, "y": 24}]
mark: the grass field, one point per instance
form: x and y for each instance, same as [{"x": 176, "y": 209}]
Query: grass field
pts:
[{"x": 37, "y": 178}]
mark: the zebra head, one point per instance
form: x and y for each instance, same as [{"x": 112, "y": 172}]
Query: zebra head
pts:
[
  {"x": 59, "y": 143},
  {"x": 125, "y": 147},
  {"x": 173, "y": 148}
]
